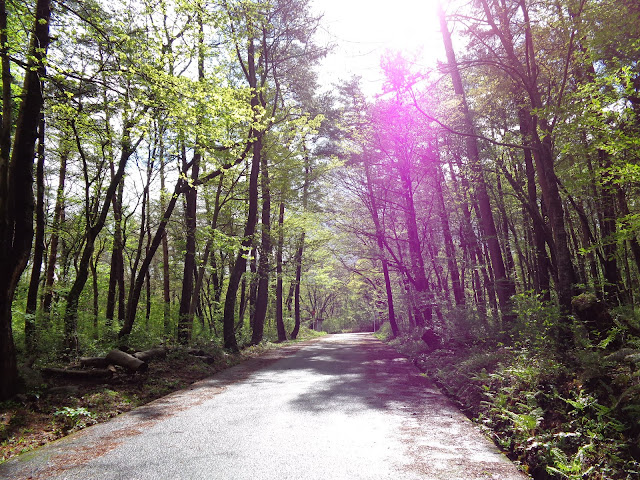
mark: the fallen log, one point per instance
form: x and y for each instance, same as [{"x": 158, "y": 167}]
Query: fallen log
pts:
[
  {"x": 145, "y": 356},
  {"x": 93, "y": 374},
  {"x": 95, "y": 362},
  {"x": 129, "y": 362}
]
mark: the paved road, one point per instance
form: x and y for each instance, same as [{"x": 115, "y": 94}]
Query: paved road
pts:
[{"x": 343, "y": 407}]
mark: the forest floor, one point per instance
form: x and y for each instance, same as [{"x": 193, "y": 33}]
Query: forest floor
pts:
[{"x": 59, "y": 407}]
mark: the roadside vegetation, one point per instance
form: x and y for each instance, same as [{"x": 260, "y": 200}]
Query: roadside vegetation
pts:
[{"x": 570, "y": 416}]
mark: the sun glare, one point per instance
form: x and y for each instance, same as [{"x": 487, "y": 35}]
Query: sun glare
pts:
[{"x": 362, "y": 31}]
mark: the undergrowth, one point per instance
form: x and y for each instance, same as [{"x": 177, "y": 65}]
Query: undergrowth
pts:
[{"x": 559, "y": 419}]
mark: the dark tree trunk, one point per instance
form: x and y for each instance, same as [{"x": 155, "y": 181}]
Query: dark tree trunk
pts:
[
  {"x": 166, "y": 287},
  {"x": 424, "y": 311},
  {"x": 117, "y": 258},
  {"x": 456, "y": 284},
  {"x": 134, "y": 293},
  {"x": 16, "y": 181},
  {"x": 195, "y": 301},
  {"x": 186, "y": 313},
  {"x": 253, "y": 287},
  {"x": 282, "y": 333},
  {"x": 53, "y": 243},
  {"x": 264, "y": 263},
  {"x": 380, "y": 241},
  {"x": 299, "y": 252},
  {"x": 185, "y": 319},
  {"x": 613, "y": 287},
  {"x": 96, "y": 293},
  {"x": 38, "y": 248},
  {"x": 624, "y": 212},
  {"x": 240, "y": 265},
  {"x": 542, "y": 278},
  {"x": 505, "y": 287}
]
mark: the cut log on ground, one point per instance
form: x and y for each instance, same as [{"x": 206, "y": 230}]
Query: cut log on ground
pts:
[
  {"x": 131, "y": 363},
  {"x": 151, "y": 354},
  {"x": 74, "y": 374},
  {"x": 95, "y": 362}
]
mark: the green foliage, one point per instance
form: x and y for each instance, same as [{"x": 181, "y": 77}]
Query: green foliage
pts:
[
  {"x": 74, "y": 416},
  {"x": 536, "y": 320}
]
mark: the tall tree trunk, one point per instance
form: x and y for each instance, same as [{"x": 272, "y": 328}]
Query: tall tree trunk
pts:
[
  {"x": 613, "y": 287},
  {"x": 424, "y": 311},
  {"x": 505, "y": 287},
  {"x": 623, "y": 207},
  {"x": 53, "y": 243},
  {"x": 185, "y": 319},
  {"x": 300, "y": 251},
  {"x": 38, "y": 247},
  {"x": 452, "y": 262},
  {"x": 380, "y": 241},
  {"x": 16, "y": 180},
  {"x": 542, "y": 278},
  {"x": 282, "y": 333},
  {"x": 240, "y": 265},
  {"x": 195, "y": 301},
  {"x": 138, "y": 283},
  {"x": 134, "y": 293},
  {"x": 117, "y": 258},
  {"x": 166, "y": 287},
  {"x": 264, "y": 264}
]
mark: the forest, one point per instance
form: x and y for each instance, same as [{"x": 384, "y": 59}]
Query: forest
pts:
[{"x": 172, "y": 172}]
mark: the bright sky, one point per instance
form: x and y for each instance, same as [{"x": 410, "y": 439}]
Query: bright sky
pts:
[{"x": 363, "y": 30}]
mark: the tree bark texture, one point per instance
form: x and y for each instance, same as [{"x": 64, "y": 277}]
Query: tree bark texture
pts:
[{"x": 16, "y": 185}]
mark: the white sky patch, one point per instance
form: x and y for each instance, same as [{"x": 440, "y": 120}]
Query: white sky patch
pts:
[{"x": 362, "y": 30}]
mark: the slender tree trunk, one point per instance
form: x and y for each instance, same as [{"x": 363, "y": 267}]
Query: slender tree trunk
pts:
[
  {"x": 452, "y": 262},
  {"x": 380, "y": 241},
  {"x": 282, "y": 333},
  {"x": 134, "y": 293},
  {"x": 505, "y": 287},
  {"x": 624, "y": 212},
  {"x": 542, "y": 277},
  {"x": 240, "y": 265},
  {"x": 300, "y": 251},
  {"x": 117, "y": 258},
  {"x": 185, "y": 321},
  {"x": 185, "y": 318},
  {"x": 166, "y": 287},
  {"x": 195, "y": 301},
  {"x": 262, "y": 301},
  {"x": 424, "y": 302},
  {"x": 38, "y": 247},
  {"x": 613, "y": 287},
  {"x": 53, "y": 243}
]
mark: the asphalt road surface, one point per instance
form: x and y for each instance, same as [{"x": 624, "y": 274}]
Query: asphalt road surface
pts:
[{"x": 343, "y": 407}]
